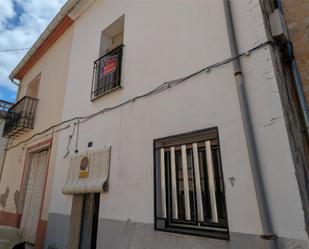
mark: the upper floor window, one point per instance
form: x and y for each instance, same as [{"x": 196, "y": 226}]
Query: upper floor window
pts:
[
  {"x": 189, "y": 188},
  {"x": 33, "y": 87},
  {"x": 107, "y": 69}
]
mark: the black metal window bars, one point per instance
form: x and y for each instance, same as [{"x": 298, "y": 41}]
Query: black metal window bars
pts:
[
  {"x": 107, "y": 73},
  {"x": 20, "y": 117},
  {"x": 189, "y": 188}
]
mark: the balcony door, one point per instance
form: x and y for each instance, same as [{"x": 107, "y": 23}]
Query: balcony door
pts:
[{"x": 33, "y": 195}]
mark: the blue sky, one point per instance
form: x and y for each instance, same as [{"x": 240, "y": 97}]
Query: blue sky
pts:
[{"x": 21, "y": 23}]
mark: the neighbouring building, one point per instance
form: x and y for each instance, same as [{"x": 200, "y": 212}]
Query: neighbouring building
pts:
[
  {"x": 297, "y": 19},
  {"x": 28, "y": 169},
  {"x": 178, "y": 126},
  {"x": 4, "y": 107}
]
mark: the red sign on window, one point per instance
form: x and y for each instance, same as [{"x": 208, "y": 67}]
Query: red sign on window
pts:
[{"x": 109, "y": 66}]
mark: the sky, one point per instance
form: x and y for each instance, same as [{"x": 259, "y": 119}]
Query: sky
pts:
[{"x": 21, "y": 23}]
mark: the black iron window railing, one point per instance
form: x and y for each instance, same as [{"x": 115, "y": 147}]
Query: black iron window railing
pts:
[
  {"x": 189, "y": 188},
  {"x": 20, "y": 117},
  {"x": 107, "y": 73}
]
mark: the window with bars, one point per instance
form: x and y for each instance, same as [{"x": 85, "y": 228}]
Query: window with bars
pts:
[
  {"x": 189, "y": 188},
  {"x": 107, "y": 69},
  {"x": 107, "y": 73}
]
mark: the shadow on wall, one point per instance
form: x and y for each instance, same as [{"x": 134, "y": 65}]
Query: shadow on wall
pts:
[
  {"x": 16, "y": 199},
  {"x": 4, "y": 198}
]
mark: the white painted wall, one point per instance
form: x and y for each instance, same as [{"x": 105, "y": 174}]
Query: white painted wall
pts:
[
  {"x": 53, "y": 68},
  {"x": 164, "y": 41},
  {"x": 3, "y": 144}
]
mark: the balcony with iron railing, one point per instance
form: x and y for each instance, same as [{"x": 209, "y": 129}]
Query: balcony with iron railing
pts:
[
  {"x": 20, "y": 117},
  {"x": 107, "y": 73}
]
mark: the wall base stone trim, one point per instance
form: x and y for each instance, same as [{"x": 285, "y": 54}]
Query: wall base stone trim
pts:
[
  {"x": 115, "y": 234},
  {"x": 9, "y": 219}
]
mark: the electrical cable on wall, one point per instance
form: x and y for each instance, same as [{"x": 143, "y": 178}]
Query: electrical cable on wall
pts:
[
  {"x": 162, "y": 87},
  {"x": 77, "y": 134},
  {"x": 47, "y": 135},
  {"x": 69, "y": 142}
]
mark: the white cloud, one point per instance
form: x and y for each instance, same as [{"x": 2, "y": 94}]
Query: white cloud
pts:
[
  {"x": 7, "y": 11},
  {"x": 21, "y": 23}
]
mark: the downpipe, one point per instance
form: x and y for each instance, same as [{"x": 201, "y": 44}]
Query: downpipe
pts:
[
  {"x": 297, "y": 82},
  {"x": 287, "y": 52},
  {"x": 18, "y": 88},
  {"x": 299, "y": 91},
  {"x": 255, "y": 163}
]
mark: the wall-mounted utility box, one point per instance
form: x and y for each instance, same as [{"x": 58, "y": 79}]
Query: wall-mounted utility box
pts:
[{"x": 278, "y": 27}]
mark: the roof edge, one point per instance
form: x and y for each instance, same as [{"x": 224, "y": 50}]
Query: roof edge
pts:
[{"x": 53, "y": 31}]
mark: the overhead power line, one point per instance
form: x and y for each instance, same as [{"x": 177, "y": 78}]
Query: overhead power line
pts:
[
  {"x": 13, "y": 49},
  {"x": 162, "y": 87}
]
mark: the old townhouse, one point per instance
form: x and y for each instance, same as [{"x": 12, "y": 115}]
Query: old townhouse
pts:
[
  {"x": 28, "y": 168},
  {"x": 174, "y": 124}
]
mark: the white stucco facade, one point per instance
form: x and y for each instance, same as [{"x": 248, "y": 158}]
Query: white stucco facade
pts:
[
  {"x": 165, "y": 41},
  {"x": 52, "y": 69}
]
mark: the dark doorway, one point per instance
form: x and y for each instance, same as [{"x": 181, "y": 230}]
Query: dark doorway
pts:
[{"x": 89, "y": 221}]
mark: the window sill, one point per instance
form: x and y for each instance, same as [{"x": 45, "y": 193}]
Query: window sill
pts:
[
  {"x": 106, "y": 93},
  {"x": 220, "y": 235},
  {"x": 220, "y": 232}
]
